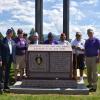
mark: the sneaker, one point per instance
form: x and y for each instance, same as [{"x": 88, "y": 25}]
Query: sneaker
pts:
[{"x": 81, "y": 80}]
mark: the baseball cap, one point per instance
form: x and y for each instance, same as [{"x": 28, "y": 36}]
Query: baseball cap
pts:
[
  {"x": 19, "y": 31},
  {"x": 90, "y": 30}
]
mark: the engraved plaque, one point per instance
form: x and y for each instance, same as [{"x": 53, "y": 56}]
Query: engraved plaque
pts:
[
  {"x": 38, "y": 62},
  {"x": 60, "y": 62},
  {"x": 49, "y": 48}
]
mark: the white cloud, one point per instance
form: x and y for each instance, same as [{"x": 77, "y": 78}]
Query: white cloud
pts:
[
  {"x": 84, "y": 18},
  {"x": 20, "y": 11},
  {"x": 6, "y": 5},
  {"x": 16, "y": 8},
  {"x": 74, "y": 4},
  {"x": 73, "y": 10},
  {"x": 83, "y": 29},
  {"x": 76, "y": 12},
  {"x": 49, "y": 27},
  {"x": 29, "y": 20},
  {"x": 55, "y": 18},
  {"x": 4, "y": 26},
  {"x": 90, "y": 2},
  {"x": 24, "y": 11}
]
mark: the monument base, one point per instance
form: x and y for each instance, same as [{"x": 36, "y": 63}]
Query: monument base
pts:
[
  {"x": 49, "y": 83},
  {"x": 80, "y": 89}
]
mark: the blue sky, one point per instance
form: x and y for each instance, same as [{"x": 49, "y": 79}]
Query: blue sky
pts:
[{"x": 84, "y": 14}]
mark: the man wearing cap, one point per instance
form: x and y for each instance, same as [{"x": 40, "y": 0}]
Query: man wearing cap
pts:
[
  {"x": 50, "y": 39},
  {"x": 92, "y": 49},
  {"x": 35, "y": 39},
  {"x": 8, "y": 55},
  {"x": 78, "y": 56},
  {"x": 21, "y": 47},
  {"x": 63, "y": 40}
]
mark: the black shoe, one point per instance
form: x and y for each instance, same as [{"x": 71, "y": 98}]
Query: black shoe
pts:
[
  {"x": 92, "y": 90},
  {"x": 1, "y": 91},
  {"x": 6, "y": 87},
  {"x": 89, "y": 86}
]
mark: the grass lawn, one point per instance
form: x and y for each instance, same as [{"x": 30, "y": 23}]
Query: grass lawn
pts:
[
  {"x": 98, "y": 68},
  {"x": 91, "y": 96}
]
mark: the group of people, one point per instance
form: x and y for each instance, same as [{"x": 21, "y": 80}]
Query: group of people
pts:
[
  {"x": 12, "y": 50},
  {"x": 15, "y": 50},
  {"x": 86, "y": 53}
]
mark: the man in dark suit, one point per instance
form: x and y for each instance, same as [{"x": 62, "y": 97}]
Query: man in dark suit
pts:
[
  {"x": 8, "y": 55},
  {"x": 0, "y": 69}
]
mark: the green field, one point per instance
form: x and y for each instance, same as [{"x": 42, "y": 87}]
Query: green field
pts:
[
  {"x": 98, "y": 68},
  {"x": 91, "y": 96}
]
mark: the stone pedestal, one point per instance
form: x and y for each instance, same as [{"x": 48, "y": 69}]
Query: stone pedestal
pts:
[{"x": 49, "y": 66}]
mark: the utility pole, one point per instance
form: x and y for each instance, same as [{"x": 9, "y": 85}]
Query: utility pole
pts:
[
  {"x": 39, "y": 18},
  {"x": 66, "y": 18}
]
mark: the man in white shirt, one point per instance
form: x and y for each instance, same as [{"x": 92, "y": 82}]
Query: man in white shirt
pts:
[
  {"x": 78, "y": 55},
  {"x": 63, "y": 40}
]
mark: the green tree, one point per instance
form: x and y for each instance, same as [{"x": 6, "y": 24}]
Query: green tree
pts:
[
  {"x": 32, "y": 31},
  {"x": 1, "y": 36}
]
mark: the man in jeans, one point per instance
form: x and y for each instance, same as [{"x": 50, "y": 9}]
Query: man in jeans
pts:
[
  {"x": 92, "y": 46},
  {"x": 78, "y": 56}
]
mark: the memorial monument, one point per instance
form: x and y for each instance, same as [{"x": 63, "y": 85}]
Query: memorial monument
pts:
[
  {"x": 49, "y": 66},
  {"x": 49, "y": 70}
]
